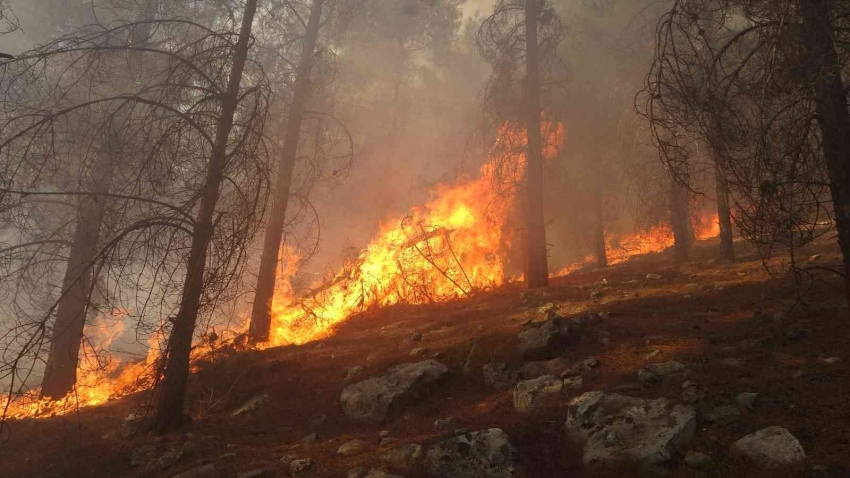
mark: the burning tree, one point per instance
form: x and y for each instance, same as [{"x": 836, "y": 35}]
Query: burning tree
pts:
[
  {"x": 519, "y": 39},
  {"x": 761, "y": 84},
  {"x": 179, "y": 209}
]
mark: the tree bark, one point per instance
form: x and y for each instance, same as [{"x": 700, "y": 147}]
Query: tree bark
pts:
[
  {"x": 60, "y": 374},
  {"x": 260, "y": 326},
  {"x": 679, "y": 221},
  {"x": 599, "y": 217},
  {"x": 169, "y": 413},
  {"x": 724, "y": 216},
  {"x": 832, "y": 113},
  {"x": 537, "y": 268}
]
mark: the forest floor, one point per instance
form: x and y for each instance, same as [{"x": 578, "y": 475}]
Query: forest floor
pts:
[{"x": 701, "y": 314}]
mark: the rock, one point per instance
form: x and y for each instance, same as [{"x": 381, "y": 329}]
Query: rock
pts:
[
  {"x": 387, "y": 441},
  {"x": 573, "y": 383},
  {"x": 353, "y": 372},
  {"x": 403, "y": 458},
  {"x": 384, "y": 433},
  {"x": 830, "y": 360},
  {"x": 814, "y": 258},
  {"x": 442, "y": 424},
  {"x": 724, "y": 415},
  {"x": 747, "y": 399},
  {"x": 352, "y": 447},
  {"x": 698, "y": 461},
  {"x": 581, "y": 368},
  {"x": 252, "y": 404},
  {"x": 659, "y": 371},
  {"x": 652, "y": 354},
  {"x": 372, "y": 400},
  {"x": 418, "y": 351},
  {"x": 545, "y": 341},
  {"x": 613, "y": 427},
  {"x": 534, "y": 394},
  {"x": 795, "y": 334},
  {"x": 297, "y": 466},
  {"x": 654, "y": 276},
  {"x": 733, "y": 362},
  {"x": 543, "y": 367},
  {"x": 481, "y": 454},
  {"x": 499, "y": 376},
  {"x": 770, "y": 447},
  {"x": 416, "y": 337},
  {"x": 311, "y": 438},
  {"x": 205, "y": 471},
  {"x": 596, "y": 295}
]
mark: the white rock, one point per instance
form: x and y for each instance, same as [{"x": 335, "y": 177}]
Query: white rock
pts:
[
  {"x": 613, "y": 427},
  {"x": 353, "y": 447},
  {"x": 371, "y": 400}
]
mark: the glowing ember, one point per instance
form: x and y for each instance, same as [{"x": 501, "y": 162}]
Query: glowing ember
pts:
[{"x": 448, "y": 248}]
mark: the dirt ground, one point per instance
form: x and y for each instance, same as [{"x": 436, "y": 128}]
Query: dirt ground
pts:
[{"x": 700, "y": 314}]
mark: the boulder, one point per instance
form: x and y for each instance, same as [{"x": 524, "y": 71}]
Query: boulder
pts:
[
  {"x": 403, "y": 458},
  {"x": 613, "y": 427},
  {"x": 499, "y": 376},
  {"x": 590, "y": 318},
  {"x": 531, "y": 395},
  {"x": 481, "y": 454},
  {"x": 353, "y": 372},
  {"x": 442, "y": 424},
  {"x": 770, "y": 447},
  {"x": 372, "y": 400},
  {"x": 659, "y": 371},
  {"x": 545, "y": 341},
  {"x": 573, "y": 383},
  {"x": 543, "y": 367},
  {"x": 747, "y": 399}
]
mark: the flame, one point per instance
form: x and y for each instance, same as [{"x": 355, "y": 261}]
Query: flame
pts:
[
  {"x": 657, "y": 238},
  {"x": 448, "y": 248}
]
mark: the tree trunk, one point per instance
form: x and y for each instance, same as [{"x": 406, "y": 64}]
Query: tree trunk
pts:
[
  {"x": 724, "y": 216},
  {"x": 679, "y": 221},
  {"x": 61, "y": 370},
  {"x": 599, "y": 213},
  {"x": 537, "y": 267},
  {"x": 832, "y": 113},
  {"x": 60, "y": 374},
  {"x": 261, "y": 312},
  {"x": 169, "y": 413}
]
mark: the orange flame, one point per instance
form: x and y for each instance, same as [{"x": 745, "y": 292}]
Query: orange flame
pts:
[
  {"x": 657, "y": 238},
  {"x": 449, "y": 248}
]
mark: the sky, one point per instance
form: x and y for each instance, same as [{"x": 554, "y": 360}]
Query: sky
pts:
[{"x": 481, "y": 6}]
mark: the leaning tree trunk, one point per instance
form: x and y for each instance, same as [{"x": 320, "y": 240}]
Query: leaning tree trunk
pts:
[
  {"x": 599, "y": 219},
  {"x": 537, "y": 266},
  {"x": 679, "y": 221},
  {"x": 169, "y": 413},
  {"x": 261, "y": 313},
  {"x": 832, "y": 113},
  {"x": 724, "y": 216},
  {"x": 60, "y": 374}
]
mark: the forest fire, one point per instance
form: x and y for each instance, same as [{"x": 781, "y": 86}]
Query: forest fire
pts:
[
  {"x": 658, "y": 238},
  {"x": 448, "y": 248}
]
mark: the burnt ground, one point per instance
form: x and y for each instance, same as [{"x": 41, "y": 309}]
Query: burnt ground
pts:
[{"x": 700, "y": 314}]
